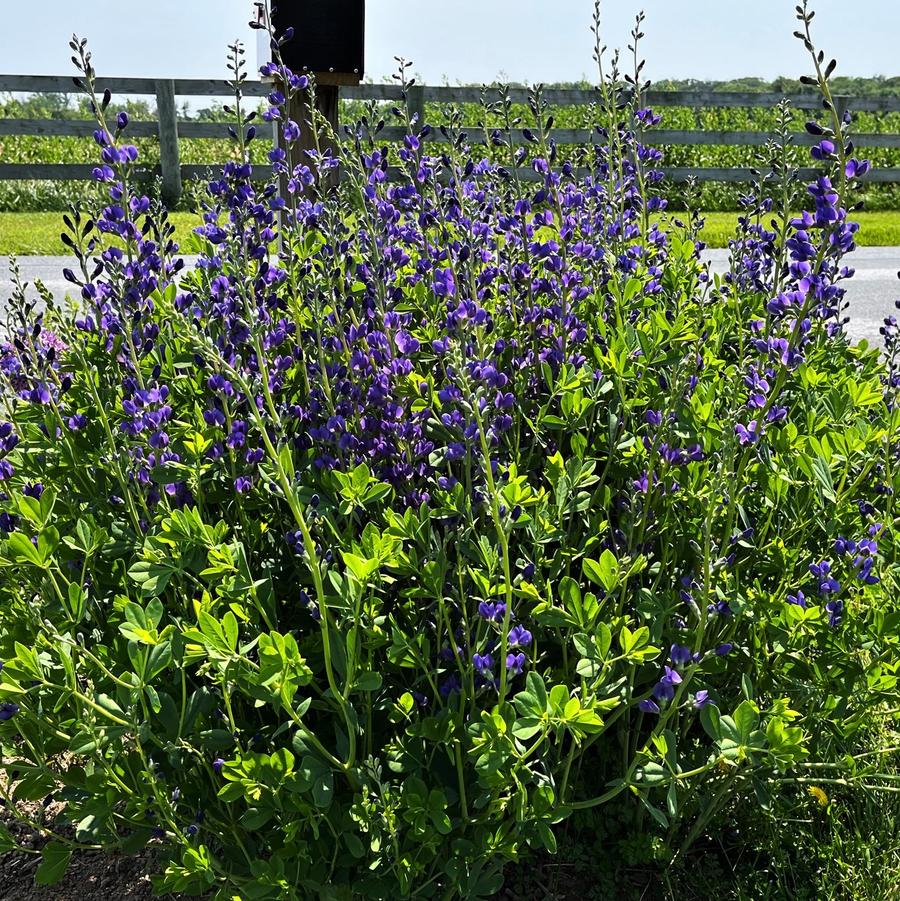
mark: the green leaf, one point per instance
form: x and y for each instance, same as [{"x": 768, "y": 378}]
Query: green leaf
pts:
[
  {"x": 83, "y": 744},
  {"x": 603, "y": 572},
  {"x": 286, "y": 460},
  {"x": 89, "y": 828},
  {"x": 361, "y": 568},
  {"x": 547, "y": 836},
  {"x": 21, "y": 548},
  {"x": 257, "y": 817},
  {"x": 30, "y": 508},
  {"x": 76, "y": 602},
  {"x": 536, "y": 688},
  {"x": 710, "y": 719},
  {"x": 746, "y": 719},
  {"x": 319, "y": 775},
  {"x": 527, "y": 727},
  {"x": 231, "y": 792},
  {"x": 603, "y": 638},
  {"x": 354, "y": 845},
  {"x": 152, "y": 576},
  {"x": 657, "y": 814},
  {"x": 822, "y": 472},
  {"x": 35, "y": 786},
  {"x": 368, "y": 681},
  {"x": 55, "y": 859}
]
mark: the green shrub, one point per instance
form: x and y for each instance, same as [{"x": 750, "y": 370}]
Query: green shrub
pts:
[{"x": 355, "y": 560}]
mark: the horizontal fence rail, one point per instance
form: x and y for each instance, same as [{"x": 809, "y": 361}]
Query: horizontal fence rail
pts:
[
  {"x": 169, "y": 129},
  {"x": 198, "y": 87}
]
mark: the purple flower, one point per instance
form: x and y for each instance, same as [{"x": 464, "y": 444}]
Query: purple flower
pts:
[
  {"x": 495, "y": 612},
  {"x": 515, "y": 663},
  {"x": 664, "y": 690},
  {"x": 8, "y": 710},
  {"x": 484, "y": 664},
  {"x": 680, "y": 655},
  {"x": 747, "y": 434},
  {"x": 406, "y": 343},
  {"x": 822, "y": 572},
  {"x": 701, "y": 699},
  {"x": 217, "y": 765},
  {"x": 243, "y": 484},
  {"x": 40, "y": 394},
  {"x": 444, "y": 284},
  {"x": 291, "y": 131},
  {"x": 857, "y": 168},
  {"x": 843, "y": 546},
  {"x": 35, "y": 490},
  {"x": 824, "y": 150},
  {"x": 835, "y": 611},
  {"x": 519, "y": 637},
  {"x": 865, "y": 574},
  {"x": 799, "y": 599},
  {"x": 648, "y": 705},
  {"x": 723, "y": 650}
]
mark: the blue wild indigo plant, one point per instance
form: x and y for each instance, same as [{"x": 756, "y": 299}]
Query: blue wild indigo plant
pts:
[{"x": 425, "y": 512}]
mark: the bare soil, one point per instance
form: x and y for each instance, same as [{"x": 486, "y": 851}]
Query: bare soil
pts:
[{"x": 91, "y": 875}]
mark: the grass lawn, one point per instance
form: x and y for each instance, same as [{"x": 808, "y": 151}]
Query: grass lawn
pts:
[
  {"x": 26, "y": 234},
  {"x": 38, "y": 233},
  {"x": 880, "y": 229}
]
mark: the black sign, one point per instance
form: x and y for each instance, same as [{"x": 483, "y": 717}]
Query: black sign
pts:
[{"x": 329, "y": 35}]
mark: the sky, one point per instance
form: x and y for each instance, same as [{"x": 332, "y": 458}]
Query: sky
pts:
[{"x": 464, "y": 41}]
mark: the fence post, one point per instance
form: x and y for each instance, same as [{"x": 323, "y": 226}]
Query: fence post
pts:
[
  {"x": 300, "y": 111},
  {"x": 841, "y": 104},
  {"x": 169, "y": 160},
  {"x": 415, "y": 98}
]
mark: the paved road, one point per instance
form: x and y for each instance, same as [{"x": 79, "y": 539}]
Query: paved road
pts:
[{"x": 872, "y": 291}]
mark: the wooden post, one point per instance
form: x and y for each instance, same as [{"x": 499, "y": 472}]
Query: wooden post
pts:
[
  {"x": 416, "y": 99},
  {"x": 327, "y": 103},
  {"x": 169, "y": 159},
  {"x": 841, "y": 104}
]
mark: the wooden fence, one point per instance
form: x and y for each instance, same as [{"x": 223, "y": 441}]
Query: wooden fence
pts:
[{"x": 169, "y": 129}]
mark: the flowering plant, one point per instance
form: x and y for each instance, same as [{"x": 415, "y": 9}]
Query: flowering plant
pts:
[{"x": 424, "y": 512}]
